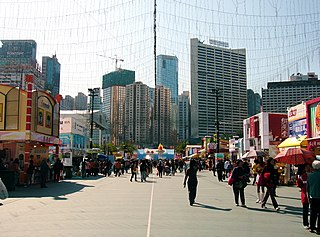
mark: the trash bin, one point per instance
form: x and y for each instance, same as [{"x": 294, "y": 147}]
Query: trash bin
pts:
[
  {"x": 68, "y": 171},
  {"x": 8, "y": 178}
]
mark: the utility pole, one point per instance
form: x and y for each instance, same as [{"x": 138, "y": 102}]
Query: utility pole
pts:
[
  {"x": 217, "y": 92},
  {"x": 92, "y": 94}
]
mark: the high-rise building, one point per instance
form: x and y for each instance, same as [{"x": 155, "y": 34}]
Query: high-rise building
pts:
[
  {"x": 254, "y": 103},
  {"x": 67, "y": 103},
  {"x": 217, "y": 69},
  {"x": 114, "y": 98},
  {"x": 184, "y": 116},
  {"x": 18, "y": 58},
  {"x": 51, "y": 74},
  {"x": 81, "y": 101},
  {"x": 161, "y": 130},
  {"x": 137, "y": 114},
  {"x": 280, "y": 95},
  {"x": 167, "y": 76}
]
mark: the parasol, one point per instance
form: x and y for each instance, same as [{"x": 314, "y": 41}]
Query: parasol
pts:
[
  {"x": 253, "y": 154},
  {"x": 295, "y": 156}
]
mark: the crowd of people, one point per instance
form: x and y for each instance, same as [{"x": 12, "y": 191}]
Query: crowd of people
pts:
[{"x": 263, "y": 173}]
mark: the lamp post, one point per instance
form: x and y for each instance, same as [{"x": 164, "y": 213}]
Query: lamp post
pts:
[
  {"x": 92, "y": 94},
  {"x": 217, "y": 92}
]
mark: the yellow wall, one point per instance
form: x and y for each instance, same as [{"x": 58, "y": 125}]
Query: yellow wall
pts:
[{"x": 16, "y": 114}]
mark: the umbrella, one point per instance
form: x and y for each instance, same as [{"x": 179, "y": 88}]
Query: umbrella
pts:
[
  {"x": 254, "y": 153},
  {"x": 102, "y": 157},
  {"x": 295, "y": 156}
]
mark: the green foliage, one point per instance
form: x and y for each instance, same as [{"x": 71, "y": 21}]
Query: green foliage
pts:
[{"x": 181, "y": 147}]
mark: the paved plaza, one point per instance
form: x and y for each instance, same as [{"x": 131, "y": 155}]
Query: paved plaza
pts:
[{"x": 113, "y": 206}]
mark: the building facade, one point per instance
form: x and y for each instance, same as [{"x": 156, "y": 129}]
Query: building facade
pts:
[
  {"x": 184, "y": 116},
  {"x": 217, "y": 69},
  {"x": 114, "y": 99},
  {"x": 254, "y": 102},
  {"x": 80, "y": 101},
  {"x": 67, "y": 103},
  {"x": 137, "y": 114},
  {"x": 167, "y": 76},
  {"x": 51, "y": 74},
  {"x": 280, "y": 95},
  {"x": 161, "y": 130},
  {"x": 18, "y": 59}
]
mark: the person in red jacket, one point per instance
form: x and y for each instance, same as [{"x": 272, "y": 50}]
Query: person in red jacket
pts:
[{"x": 302, "y": 184}]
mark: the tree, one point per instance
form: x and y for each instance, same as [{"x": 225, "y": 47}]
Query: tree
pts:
[
  {"x": 181, "y": 147},
  {"x": 110, "y": 148}
]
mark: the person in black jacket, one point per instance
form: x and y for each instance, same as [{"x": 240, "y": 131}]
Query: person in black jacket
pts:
[
  {"x": 239, "y": 183},
  {"x": 57, "y": 168},
  {"x": 191, "y": 177},
  {"x": 269, "y": 176}
]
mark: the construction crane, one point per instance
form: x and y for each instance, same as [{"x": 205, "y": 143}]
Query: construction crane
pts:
[{"x": 115, "y": 58}]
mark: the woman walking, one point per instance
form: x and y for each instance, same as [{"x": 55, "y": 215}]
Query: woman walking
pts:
[
  {"x": 191, "y": 177},
  {"x": 269, "y": 175},
  {"x": 302, "y": 184},
  {"x": 240, "y": 182}
]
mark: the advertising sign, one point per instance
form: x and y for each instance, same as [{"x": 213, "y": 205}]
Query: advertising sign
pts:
[
  {"x": 314, "y": 114},
  {"x": 298, "y": 127}
]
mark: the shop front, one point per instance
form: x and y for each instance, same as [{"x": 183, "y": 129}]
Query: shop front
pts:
[{"x": 29, "y": 125}]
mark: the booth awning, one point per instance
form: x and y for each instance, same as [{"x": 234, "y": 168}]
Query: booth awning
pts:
[{"x": 294, "y": 142}]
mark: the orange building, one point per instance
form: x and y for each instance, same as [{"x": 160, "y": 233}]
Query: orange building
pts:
[{"x": 29, "y": 124}]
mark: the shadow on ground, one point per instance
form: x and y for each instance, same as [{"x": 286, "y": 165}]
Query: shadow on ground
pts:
[
  {"x": 55, "y": 190},
  {"x": 197, "y": 204}
]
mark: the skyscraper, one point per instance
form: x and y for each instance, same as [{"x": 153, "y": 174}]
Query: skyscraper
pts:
[
  {"x": 51, "y": 74},
  {"x": 114, "y": 98},
  {"x": 161, "y": 116},
  {"x": 254, "y": 103},
  {"x": 81, "y": 101},
  {"x": 138, "y": 114},
  {"x": 184, "y": 116},
  {"x": 67, "y": 103},
  {"x": 220, "y": 69},
  {"x": 18, "y": 58},
  {"x": 167, "y": 76}
]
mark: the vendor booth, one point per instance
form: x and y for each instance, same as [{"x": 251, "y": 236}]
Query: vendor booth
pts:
[{"x": 29, "y": 125}]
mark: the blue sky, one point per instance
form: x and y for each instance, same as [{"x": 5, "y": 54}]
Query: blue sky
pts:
[{"x": 281, "y": 36}]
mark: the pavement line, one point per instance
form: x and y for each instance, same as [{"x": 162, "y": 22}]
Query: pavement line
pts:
[{"x": 150, "y": 208}]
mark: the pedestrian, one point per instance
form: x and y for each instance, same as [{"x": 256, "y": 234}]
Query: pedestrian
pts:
[
  {"x": 220, "y": 169},
  {"x": 269, "y": 177},
  {"x": 30, "y": 172},
  {"x": 239, "y": 184},
  {"x": 313, "y": 191},
  {"x": 143, "y": 171},
  {"x": 191, "y": 177},
  {"x": 44, "y": 169},
  {"x": 160, "y": 168},
  {"x": 15, "y": 166},
  {"x": 254, "y": 171},
  {"x": 260, "y": 181},
  {"x": 134, "y": 170},
  {"x": 302, "y": 184},
  {"x": 57, "y": 168}
]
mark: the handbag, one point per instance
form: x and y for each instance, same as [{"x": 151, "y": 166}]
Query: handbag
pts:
[{"x": 230, "y": 179}]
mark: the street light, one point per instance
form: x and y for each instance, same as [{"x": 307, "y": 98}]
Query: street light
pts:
[
  {"x": 92, "y": 94},
  {"x": 217, "y": 92}
]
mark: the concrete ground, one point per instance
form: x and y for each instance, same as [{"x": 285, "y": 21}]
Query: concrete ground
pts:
[{"x": 114, "y": 206}]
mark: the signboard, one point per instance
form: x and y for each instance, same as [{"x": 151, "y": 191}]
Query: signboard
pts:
[
  {"x": 297, "y": 112},
  {"x": 219, "y": 43},
  {"x": 219, "y": 155},
  {"x": 298, "y": 127}
]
